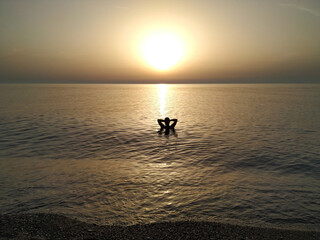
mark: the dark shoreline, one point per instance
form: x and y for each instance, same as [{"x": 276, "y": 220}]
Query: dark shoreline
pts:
[{"x": 51, "y": 226}]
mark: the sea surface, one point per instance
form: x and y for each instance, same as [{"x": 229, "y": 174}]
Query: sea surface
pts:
[{"x": 244, "y": 154}]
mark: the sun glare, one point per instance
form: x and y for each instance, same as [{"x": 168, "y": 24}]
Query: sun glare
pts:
[
  {"x": 162, "y": 51},
  {"x": 162, "y": 92}
]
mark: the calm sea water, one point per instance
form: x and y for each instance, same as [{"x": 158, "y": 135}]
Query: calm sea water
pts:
[{"x": 247, "y": 154}]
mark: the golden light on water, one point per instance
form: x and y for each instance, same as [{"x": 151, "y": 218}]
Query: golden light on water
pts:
[
  {"x": 162, "y": 50},
  {"x": 162, "y": 92}
]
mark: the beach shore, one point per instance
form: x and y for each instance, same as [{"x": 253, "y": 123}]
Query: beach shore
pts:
[{"x": 51, "y": 226}]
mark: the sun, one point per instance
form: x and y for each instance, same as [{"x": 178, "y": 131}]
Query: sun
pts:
[{"x": 162, "y": 50}]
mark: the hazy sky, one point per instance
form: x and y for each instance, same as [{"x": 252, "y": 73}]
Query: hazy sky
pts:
[{"x": 100, "y": 40}]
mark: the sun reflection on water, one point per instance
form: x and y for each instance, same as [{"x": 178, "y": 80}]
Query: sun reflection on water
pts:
[{"x": 162, "y": 92}]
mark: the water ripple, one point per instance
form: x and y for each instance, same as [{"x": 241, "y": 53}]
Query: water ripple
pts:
[{"x": 94, "y": 152}]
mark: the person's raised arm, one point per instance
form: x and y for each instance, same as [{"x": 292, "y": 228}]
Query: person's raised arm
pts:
[
  {"x": 160, "y": 122},
  {"x": 174, "y": 122}
]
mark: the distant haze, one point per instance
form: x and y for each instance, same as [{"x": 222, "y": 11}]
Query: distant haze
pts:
[{"x": 98, "y": 41}]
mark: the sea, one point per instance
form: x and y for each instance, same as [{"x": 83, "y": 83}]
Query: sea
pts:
[{"x": 245, "y": 154}]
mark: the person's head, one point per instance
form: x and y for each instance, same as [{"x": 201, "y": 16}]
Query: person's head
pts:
[{"x": 167, "y": 120}]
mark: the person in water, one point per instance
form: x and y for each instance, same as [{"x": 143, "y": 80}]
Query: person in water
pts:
[{"x": 165, "y": 124}]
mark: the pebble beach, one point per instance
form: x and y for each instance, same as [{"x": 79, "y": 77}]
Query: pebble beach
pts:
[{"x": 51, "y": 226}]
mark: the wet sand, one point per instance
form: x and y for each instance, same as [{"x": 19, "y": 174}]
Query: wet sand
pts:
[{"x": 51, "y": 226}]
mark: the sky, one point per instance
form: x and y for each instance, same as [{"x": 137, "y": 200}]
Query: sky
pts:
[{"x": 102, "y": 41}]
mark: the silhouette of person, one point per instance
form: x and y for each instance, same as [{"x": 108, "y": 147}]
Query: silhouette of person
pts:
[{"x": 167, "y": 125}]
